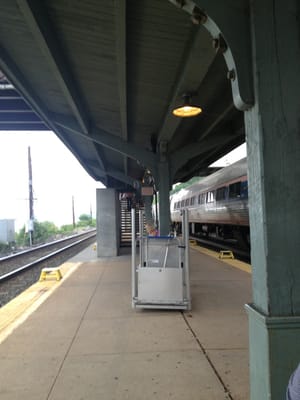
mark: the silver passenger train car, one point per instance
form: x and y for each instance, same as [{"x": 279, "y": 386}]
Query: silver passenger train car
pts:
[{"x": 217, "y": 204}]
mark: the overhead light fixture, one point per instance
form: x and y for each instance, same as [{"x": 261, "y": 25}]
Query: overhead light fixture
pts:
[{"x": 187, "y": 109}]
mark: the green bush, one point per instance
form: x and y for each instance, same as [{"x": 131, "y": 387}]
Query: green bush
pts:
[{"x": 47, "y": 231}]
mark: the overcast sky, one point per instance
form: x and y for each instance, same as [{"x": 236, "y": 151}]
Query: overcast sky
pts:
[{"x": 56, "y": 176}]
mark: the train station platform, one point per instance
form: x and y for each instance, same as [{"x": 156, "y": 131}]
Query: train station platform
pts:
[{"x": 79, "y": 338}]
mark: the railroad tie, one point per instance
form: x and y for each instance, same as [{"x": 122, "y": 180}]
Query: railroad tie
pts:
[
  {"x": 48, "y": 271},
  {"x": 226, "y": 254}
]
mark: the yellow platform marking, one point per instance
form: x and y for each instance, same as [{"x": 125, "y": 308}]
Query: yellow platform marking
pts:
[
  {"x": 14, "y": 313},
  {"x": 51, "y": 271},
  {"x": 233, "y": 263},
  {"x": 226, "y": 254}
]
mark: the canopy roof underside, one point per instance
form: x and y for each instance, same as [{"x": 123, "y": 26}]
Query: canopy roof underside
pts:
[{"x": 105, "y": 76}]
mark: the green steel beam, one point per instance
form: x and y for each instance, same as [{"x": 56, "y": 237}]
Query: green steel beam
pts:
[
  {"x": 110, "y": 141},
  {"x": 41, "y": 28},
  {"x": 114, "y": 173},
  {"x": 16, "y": 77},
  {"x": 120, "y": 36},
  {"x": 228, "y": 20},
  {"x": 180, "y": 157}
]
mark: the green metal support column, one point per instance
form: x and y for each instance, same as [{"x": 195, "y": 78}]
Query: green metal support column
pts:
[
  {"x": 273, "y": 140},
  {"x": 164, "y": 198}
]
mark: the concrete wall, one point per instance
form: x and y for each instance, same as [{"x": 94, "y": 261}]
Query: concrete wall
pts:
[{"x": 108, "y": 223}]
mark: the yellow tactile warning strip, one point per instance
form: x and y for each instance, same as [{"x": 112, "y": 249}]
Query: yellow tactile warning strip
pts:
[
  {"x": 233, "y": 263},
  {"x": 18, "y": 310}
]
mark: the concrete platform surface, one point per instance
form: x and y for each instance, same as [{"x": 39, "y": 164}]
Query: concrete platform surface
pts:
[{"x": 79, "y": 339}]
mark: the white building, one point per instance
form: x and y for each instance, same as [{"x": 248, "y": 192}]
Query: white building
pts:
[{"x": 7, "y": 230}]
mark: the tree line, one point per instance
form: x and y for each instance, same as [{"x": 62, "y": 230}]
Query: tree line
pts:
[{"x": 46, "y": 231}]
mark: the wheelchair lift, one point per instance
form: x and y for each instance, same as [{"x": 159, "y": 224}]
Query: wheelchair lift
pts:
[{"x": 160, "y": 273}]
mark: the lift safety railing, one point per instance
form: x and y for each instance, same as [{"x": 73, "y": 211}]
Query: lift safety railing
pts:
[{"x": 160, "y": 275}]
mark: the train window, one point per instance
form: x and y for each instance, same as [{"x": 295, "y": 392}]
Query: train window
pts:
[
  {"x": 221, "y": 193},
  {"x": 235, "y": 190},
  {"x": 187, "y": 202},
  {"x": 210, "y": 196},
  {"x": 201, "y": 198},
  {"x": 192, "y": 202},
  {"x": 244, "y": 190},
  {"x": 182, "y": 203}
]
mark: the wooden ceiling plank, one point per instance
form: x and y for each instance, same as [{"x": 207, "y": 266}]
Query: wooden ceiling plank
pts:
[{"x": 185, "y": 82}]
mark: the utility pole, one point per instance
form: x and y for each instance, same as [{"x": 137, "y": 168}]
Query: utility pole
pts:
[
  {"x": 73, "y": 212},
  {"x": 31, "y": 213}
]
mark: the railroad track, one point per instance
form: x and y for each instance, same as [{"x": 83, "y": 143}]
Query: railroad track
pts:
[
  {"x": 21, "y": 270},
  {"x": 218, "y": 245}
]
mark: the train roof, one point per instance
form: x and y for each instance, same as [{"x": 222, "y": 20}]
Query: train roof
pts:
[{"x": 218, "y": 178}]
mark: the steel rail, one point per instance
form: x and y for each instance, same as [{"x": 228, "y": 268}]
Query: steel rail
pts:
[
  {"x": 41, "y": 246},
  {"x": 34, "y": 263}
]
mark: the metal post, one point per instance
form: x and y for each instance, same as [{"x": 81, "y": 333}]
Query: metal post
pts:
[
  {"x": 141, "y": 234},
  {"x": 133, "y": 256},
  {"x": 145, "y": 243},
  {"x": 31, "y": 200},
  {"x": 156, "y": 210},
  {"x": 185, "y": 224}
]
